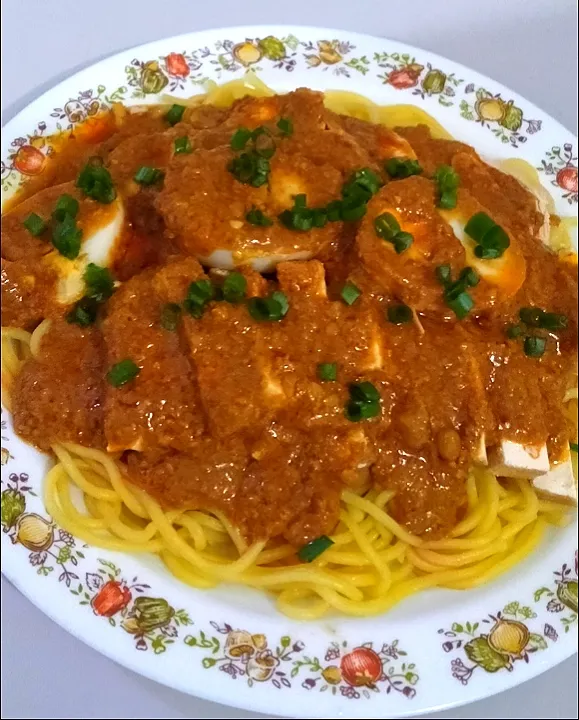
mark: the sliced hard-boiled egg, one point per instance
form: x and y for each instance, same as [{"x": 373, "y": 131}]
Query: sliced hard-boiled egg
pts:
[{"x": 102, "y": 236}]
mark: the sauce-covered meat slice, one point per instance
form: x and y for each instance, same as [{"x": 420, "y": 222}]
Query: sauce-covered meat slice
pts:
[{"x": 58, "y": 396}]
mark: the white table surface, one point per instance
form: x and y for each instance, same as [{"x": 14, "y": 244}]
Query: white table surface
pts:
[{"x": 529, "y": 45}]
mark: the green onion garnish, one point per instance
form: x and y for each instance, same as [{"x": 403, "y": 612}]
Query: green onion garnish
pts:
[
  {"x": 553, "y": 321},
  {"x": 170, "y": 316},
  {"x": 250, "y": 168},
  {"x": 364, "y": 402},
  {"x": 514, "y": 331},
  {"x": 401, "y": 168},
  {"x": 285, "y": 126},
  {"x": 174, "y": 114},
  {"x": 99, "y": 282},
  {"x": 362, "y": 184},
  {"x": 334, "y": 210},
  {"x": 34, "y": 224},
  {"x": 269, "y": 309},
  {"x": 83, "y": 313},
  {"x": 353, "y": 208},
  {"x": 444, "y": 274},
  {"x": 461, "y": 305},
  {"x": 402, "y": 242},
  {"x": 234, "y": 288},
  {"x": 350, "y": 293},
  {"x": 65, "y": 205},
  {"x": 491, "y": 238},
  {"x": 302, "y": 218},
  {"x": 240, "y": 138},
  {"x": 534, "y": 346},
  {"x": 256, "y": 217},
  {"x": 66, "y": 237},
  {"x": 327, "y": 372},
  {"x": 399, "y": 314},
  {"x": 574, "y": 447},
  {"x": 122, "y": 373},
  {"x": 95, "y": 182},
  {"x": 447, "y": 181},
  {"x": 386, "y": 226},
  {"x": 146, "y": 175},
  {"x": 182, "y": 146},
  {"x": 314, "y": 549},
  {"x": 263, "y": 142},
  {"x": 469, "y": 277},
  {"x": 199, "y": 294}
]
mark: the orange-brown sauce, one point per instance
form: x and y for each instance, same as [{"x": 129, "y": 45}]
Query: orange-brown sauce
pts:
[{"x": 228, "y": 413}]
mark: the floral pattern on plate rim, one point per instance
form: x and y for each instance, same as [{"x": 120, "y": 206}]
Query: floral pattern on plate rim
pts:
[
  {"x": 151, "y": 621},
  {"x": 362, "y": 671},
  {"x": 178, "y": 71}
]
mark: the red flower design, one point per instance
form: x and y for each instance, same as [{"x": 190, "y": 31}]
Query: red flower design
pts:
[
  {"x": 177, "y": 65},
  {"x": 29, "y": 160},
  {"x": 111, "y": 598},
  {"x": 567, "y": 179},
  {"x": 404, "y": 78},
  {"x": 361, "y": 667}
]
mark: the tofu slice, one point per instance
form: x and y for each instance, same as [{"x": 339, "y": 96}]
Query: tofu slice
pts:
[
  {"x": 511, "y": 459},
  {"x": 559, "y": 483}
]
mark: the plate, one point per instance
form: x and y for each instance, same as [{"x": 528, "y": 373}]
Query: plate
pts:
[{"x": 424, "y": 654}]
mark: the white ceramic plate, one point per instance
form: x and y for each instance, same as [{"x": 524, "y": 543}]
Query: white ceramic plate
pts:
[{"x": 424, "y": 653}]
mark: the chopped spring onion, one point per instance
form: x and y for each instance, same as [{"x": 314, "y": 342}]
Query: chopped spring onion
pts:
[
  {"x": 327, "y": 372},
  {"x": 444, "y": 274},
  {"x": 447, "y": 181},
  {"x": 364, "y": 402},
  {"x": 350, "y": 293},
  {"x": 66, "y": 237},
  {"x": 34, "y": 224},
  {"x": 95, "y": 182},
  {"x": 574, "y": 447},
  {"x": 301, "y": 217},
  {"x": 399, "y": 314},
  {"x": 308, "y": 553},
  {"x": 491, "y": 239},
  {"x": 146, "y": 175},
  {"x": 386, "y": 226},
  {"x": 240, "y": 138},
  {"x": 65, "y": 205},
  {"x": 234, "y": 288},
  {"x": 401, "y": 168},
  {"x": 363, "y": 184},
  {"x": 534, "y": 346},
  {"x": 182, "y": 146},
  {"x": 170, "y": 316},
  {"x": 514, "y": 331},
  {"x": 122, "y": 372},
  {"x": 285, "y": 126},
  {"x": 174, "y": 114},
  {"x": 250, "y": 168},
  {"x": 83, "y": 313},
  {"x": 461, "y": 305},
  {"x": 269, "y": 309},
  {"x": 199, "y": 294},
  {"x": 539, "y": 318},
  {"x": 257, "y": 217},
  {"x": 402, "y": 242},
  {"x": 99, "y": 282}
]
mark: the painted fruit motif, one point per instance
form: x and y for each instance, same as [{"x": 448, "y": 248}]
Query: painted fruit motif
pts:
[
  {"x": 29, "y": 160},
  {"x": 262, "y": 666},
  {"x": 34, "y": 532},
  {"x": 362, "y": 667},
  {"x": 509, "y": 637},
  {"x": 328, "y": 53},
  {"x": 152, "y": 613},
  {"x": 490, "y": 109},
  {"x": 567, "y": 179},
  {"x": 239, "y": 643},
  {"x": 247, "y": 53},
  {"x": 177, "y": 65},
  {"x": 434, "y": 82},
  {"x": 405, "y": 77},
  {"x": 512, "y": 117},
  {"x": 332, "y": 675},
  {"x": 111, "y": 598},
  {"x": 13, "y": 505},
  {"x": 272, "y": 48},
  {"x": 567, "y": 594},
  {"x": 153, "y": 80}
]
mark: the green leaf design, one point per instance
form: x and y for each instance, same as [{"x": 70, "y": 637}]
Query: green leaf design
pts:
[
  {"x": 411, "y": 678},
  {"x": 457, "y": 628},
  {"x": 208, "y": 662},
  {"x": 190, "y": 640},
  {"x": 13, "y": 505},
  {"x": 536, "y": 642},
  {"x": 511, "y": 608},
  {"x": 480, "y": 652},
  {"x": 527, "y": 613},
  {"x": 285, "y": 641},
  {"x": 540, "y": 592}
]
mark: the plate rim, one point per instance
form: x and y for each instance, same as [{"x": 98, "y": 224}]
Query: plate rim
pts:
[{"x": 10, "y": 569}]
